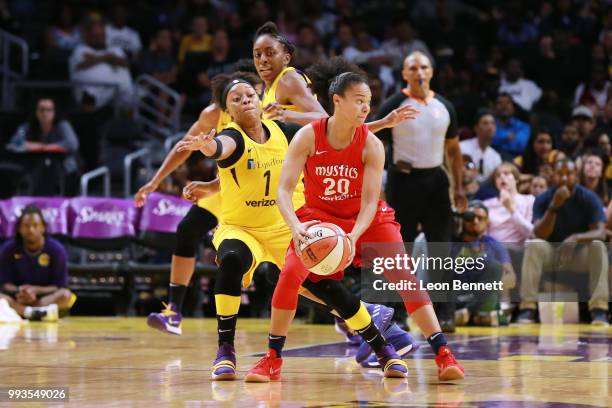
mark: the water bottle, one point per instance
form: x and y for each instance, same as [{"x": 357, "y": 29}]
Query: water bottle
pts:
[{"x": 558, "y": 312}]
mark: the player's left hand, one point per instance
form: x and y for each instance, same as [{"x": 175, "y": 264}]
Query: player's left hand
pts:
[
  {"x": 396, "y": 116},
  {"x": 274, "y": 111},
  {"x": 197, "y": 190},
  {"x": 195, "y": 142}
]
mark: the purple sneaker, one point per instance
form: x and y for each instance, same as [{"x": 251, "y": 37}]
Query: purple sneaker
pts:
[
  {"x": 224, "y": 366},
  {"x": 352, "y": 338},
  {"x": 168, "y": 320},
  {"x": 381, "y": 316},
  {"x": 401, "y": 340},
  {"x": 392, "y": 365}
]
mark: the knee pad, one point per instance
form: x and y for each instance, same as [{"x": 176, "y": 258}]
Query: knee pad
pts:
[
  {"x": 269, "y": 272},
  {"x": 234, "y": 259},
  {"x": 196, "y": 223},
  {"x": 335, "y": 295}
]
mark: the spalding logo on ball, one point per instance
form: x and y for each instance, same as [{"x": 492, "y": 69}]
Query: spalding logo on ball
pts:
[{"x": 328, "y": 251}]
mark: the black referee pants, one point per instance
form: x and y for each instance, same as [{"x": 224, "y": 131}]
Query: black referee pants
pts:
[{"x": 422, "y": 196}]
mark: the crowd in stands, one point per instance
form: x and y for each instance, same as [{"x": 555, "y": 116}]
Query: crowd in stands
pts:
[{"x": 529, "y": 80}]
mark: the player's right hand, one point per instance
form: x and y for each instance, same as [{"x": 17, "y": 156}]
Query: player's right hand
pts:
[
  {"x": 196, "y": 142},
  {"x": 141, "y": 195},
  {"x": 197, "y": 190},
  {"x": 301, "y": 234}
]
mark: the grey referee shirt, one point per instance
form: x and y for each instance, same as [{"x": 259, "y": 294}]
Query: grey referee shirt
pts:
[{"x": 420, "y": 141}]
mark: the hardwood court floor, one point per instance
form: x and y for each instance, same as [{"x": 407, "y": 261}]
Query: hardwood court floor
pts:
[{"x": 120, "y": 362}]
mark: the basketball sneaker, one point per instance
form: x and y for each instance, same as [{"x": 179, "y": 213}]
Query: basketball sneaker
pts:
[
  {"x": 168, "y": 320},
  {"x": 392, "y": 364},
  {"x": 47, "y": 313},
  {"x": 352, "y": 338},
  {"x": 402, "y": 341},
  {"x": 448, "y": 368},
  {"x": 224, "y": 366},
  {"x": 381, "y": 317},
  {"x": 526, "y": 316},
  {"x": 267, "y": 369},
  {"x": 52, "y": 313}
]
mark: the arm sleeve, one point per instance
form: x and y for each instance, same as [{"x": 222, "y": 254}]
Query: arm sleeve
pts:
[
  {"x": 289, "y": 129},
  {"x": 59, "y": 263},
  {"x": 234, "y": 157},
  {"x": 69, "y": 138},
  {"x": 451, "y": 131}
]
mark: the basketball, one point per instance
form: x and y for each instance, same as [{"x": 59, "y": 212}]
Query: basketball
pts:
[{"x": 328, "y": 251}]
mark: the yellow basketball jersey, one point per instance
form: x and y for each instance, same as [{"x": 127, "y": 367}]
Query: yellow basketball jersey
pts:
[
  {"x": 270, "y": 94},
  {"x": 248, "y": 187},
  {"x": 223, "y": 121}
]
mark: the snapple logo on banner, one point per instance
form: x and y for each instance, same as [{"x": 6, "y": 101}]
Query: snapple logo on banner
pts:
[
  {"x": 167, "y": 207},
  {"x": 102, "y": 218},
  {"x": 112, "y": 218},
  {"x": 163, "y": 213}
]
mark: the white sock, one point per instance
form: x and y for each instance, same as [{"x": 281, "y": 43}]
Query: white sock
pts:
[{"x": 27, "y": 312}]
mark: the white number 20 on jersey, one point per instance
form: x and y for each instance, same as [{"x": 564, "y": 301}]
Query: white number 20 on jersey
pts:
[{"x": 333, "y": 188}]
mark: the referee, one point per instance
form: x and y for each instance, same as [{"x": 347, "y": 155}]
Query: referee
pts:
[{"x": 418, "y": 187}]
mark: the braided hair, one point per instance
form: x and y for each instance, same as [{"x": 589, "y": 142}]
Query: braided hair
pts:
[{"x": 270, "y": 29}]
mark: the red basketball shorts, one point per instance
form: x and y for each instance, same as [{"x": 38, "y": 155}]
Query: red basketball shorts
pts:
[{"x": 383, "y": 229}]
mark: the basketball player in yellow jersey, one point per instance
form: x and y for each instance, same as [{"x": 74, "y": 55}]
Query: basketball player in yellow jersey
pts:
[
  {"x": 287, "y": 96},
  {"x": 249, "y": 154},
  {"x": 200, "y": 219}
]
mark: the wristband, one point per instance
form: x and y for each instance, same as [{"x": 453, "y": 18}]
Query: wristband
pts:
[{"x": 218, "y": 150}]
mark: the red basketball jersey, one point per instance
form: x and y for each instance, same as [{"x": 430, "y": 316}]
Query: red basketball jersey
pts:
[{"x": 333, "y": 178}]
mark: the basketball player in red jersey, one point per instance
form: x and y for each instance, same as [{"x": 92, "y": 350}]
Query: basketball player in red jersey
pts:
[{"x": 343, "y": 164}]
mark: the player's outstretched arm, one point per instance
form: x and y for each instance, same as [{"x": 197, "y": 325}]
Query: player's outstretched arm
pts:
[
  {"x": 394, "y": 118},
  {"x": 300, "y": 148},
  {"x": 218, "y": 148},
  {"x": 207, "y": 121}
]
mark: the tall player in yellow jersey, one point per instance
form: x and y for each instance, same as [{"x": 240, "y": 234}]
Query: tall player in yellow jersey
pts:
[
  {"x": 249, "y": 154},
  {"x": 287, "y": 94}
]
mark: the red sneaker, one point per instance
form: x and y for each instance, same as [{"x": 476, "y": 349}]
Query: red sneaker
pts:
[
  {"x": 448, "y": 368},
  {"x": 266, "y": 370}
]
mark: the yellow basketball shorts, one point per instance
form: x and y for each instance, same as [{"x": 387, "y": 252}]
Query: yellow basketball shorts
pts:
[
  {"x": 212, "y": 204},
  {"x": 266, "y": 245}
]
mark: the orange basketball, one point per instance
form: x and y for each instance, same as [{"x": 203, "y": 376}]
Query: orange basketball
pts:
[{"x": 328, "y": 251}]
